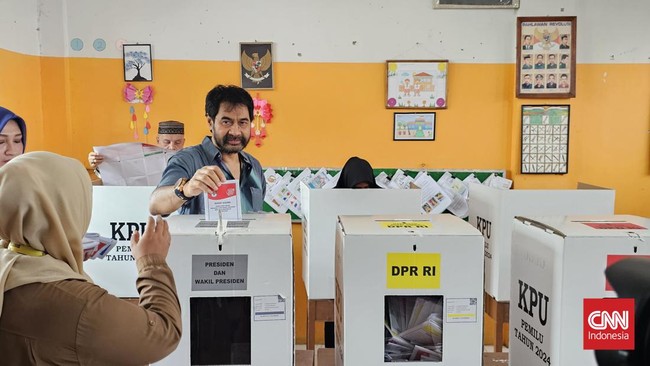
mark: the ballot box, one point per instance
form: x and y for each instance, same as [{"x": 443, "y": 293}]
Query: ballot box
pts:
[
  {"x": 409, "y": 288},
  {"x": 117, "y": 213},
  {"x": 559, "y": 285},
  {"x": 235, "y": 285},
  {"x": 491, "y": 211},
  {"x": 320, "y": 208}
]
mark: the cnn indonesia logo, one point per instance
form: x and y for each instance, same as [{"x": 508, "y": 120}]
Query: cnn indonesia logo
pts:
[{"x": 608, "y": 324}]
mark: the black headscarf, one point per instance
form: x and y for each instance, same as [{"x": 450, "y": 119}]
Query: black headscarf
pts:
[{"x": 355, "y": 171}]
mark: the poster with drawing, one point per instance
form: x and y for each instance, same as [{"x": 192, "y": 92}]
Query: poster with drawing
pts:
[
  {"x": 544, "y": 139},
  {"x": 417, "y": 84}
]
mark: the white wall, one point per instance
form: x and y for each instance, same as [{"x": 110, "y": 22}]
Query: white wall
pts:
[
  {"x": 327, "y": 30},
  {"x": 19, "y": 26}
]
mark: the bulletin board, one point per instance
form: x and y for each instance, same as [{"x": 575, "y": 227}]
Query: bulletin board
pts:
[{"x": 481, "y": 175}]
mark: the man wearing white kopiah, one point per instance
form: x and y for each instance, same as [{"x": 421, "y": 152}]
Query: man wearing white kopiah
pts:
[{"x": 203, "y": 168}]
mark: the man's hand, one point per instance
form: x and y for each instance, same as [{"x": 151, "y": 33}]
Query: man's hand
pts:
[
  {"x": 155, "y": 240},
  {"x": 94, "y": 159},
  {"x": 207, "y": 179}
]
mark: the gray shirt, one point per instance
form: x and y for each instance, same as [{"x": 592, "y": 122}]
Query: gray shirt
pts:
[{"x": 187, "y": 161}]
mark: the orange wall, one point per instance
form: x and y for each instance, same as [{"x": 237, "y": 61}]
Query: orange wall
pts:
[{"x": 327, "y": 112}]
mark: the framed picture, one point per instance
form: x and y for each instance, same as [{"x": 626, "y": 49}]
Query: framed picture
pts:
[
  {"x": 417, "y": 84},
  {"x": 137, "y": 62},
  {"x": 546, "y": 57},
  {"x": 544, "y": 139},
  {"x": 414, "y": 126},
  {"x": 256, "y": 65},
  {"x": 475, "y": 4}
]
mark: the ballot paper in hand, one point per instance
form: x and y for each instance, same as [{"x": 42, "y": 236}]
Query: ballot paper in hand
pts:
[
  {"x": 133, "y": 164},
  {"x": 225, "y": 200},
  {"x": 96, "y": 246}
]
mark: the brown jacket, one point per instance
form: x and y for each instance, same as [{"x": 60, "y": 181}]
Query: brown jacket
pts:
[{"x": 74, "y": 322}]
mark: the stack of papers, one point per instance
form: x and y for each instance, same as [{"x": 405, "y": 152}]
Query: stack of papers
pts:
[{"x": 413, "y": 329}]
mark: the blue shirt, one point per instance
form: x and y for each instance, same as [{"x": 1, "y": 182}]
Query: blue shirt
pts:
[{"x": 187, "y": 161}]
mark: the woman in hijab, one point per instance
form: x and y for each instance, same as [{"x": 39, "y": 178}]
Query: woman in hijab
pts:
[
  {"x": 356, "y": 173},
  {"x": 13, "y": 135},
  {"x": 50, "y": 311}
]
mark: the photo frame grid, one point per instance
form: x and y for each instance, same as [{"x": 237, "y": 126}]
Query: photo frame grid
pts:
[{"x": 546, "y": 57}]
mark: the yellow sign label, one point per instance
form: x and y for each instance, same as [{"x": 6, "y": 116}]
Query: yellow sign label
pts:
[
  {"x": 403, "y": 224},
  {"x": 413, "y": 270}
]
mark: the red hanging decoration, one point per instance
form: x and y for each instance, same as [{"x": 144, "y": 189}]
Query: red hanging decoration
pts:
[{"x": 262, "y": 114}]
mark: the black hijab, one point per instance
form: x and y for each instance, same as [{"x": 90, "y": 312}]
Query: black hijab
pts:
[{"x": 355, "y": 171}]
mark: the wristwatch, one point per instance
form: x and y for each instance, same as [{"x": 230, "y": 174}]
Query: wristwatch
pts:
[{"x": 178, "y": 189}]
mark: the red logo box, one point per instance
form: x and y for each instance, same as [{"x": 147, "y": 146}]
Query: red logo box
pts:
[{"x": 608, "y": 324}]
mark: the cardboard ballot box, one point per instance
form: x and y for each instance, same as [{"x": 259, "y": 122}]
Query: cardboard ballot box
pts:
[
  {"x": 320, "y": 210},
  {"x": 408, "y": 288},
  {"x": 236, "y": 293},
  {"x": 557, "y": 263},
  {"x": 117, "y": 213},
  {"x": 491, "y": 211}
]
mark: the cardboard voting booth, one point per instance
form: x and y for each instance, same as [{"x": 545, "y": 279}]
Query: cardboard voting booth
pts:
[
  {"x": 491, "y": 211},
  {"x": 320, "y": 210},
  {"x": 117, "y": 213},
  {"x": 557, "y": 263},
  {"x": 408, "y": 288},
  {"x": 235, "y": 290}
]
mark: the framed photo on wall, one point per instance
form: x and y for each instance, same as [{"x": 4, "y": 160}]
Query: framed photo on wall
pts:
[
  {"x": 475, "y": 4},
  {"x": 417, "y": 84},
  {"x": 545, "y": 139},
  {"x": 414, "y": 126},
  {"x": 546, "y": 57},
  {"x": 256, "y": 65},
  {"x": 137, "y": 62}
]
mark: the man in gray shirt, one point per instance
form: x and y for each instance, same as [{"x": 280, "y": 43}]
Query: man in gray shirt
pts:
[{"x": 203, "y": 168}]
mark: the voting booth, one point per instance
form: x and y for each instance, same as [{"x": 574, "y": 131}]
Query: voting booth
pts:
[
  {"x": 558, "y": 276},
  {"x": 491, "y": 211},
  {"x": 235, "y": 286},
  {"x": 320, "y": 210},
  {"x": 409, "y": 288},
  {"x": 117, "y": 213}
]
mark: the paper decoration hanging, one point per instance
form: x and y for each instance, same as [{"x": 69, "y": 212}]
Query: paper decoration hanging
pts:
[
  {"x": 262, "y": 114},
  {"x": 134, "y": 95}
]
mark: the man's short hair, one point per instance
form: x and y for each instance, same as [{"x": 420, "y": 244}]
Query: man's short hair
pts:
[
  {"x": 229, "y": 94},
  {"x": 171, "y": 128}
]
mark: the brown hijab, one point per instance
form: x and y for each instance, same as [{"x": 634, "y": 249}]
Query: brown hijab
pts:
[{"x": 45, "y": 208}]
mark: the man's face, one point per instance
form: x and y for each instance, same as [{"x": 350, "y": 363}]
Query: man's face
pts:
[
  {"x": 527, "y": 79},
  {"x": 539, "y": 79},
  {"x": 527, "y": 61},
  {"x": 170, "y": 141},
  {"x": 540, "y": 59},
  {"x": 551, "y": 59},
  {"x": 565, "y": 41},
  {"x": 527, "y": 40},
  {"x": 551, "y": 78},
  {"x": 231, "y": 128},
  {"x": 11, "y": 142}
]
